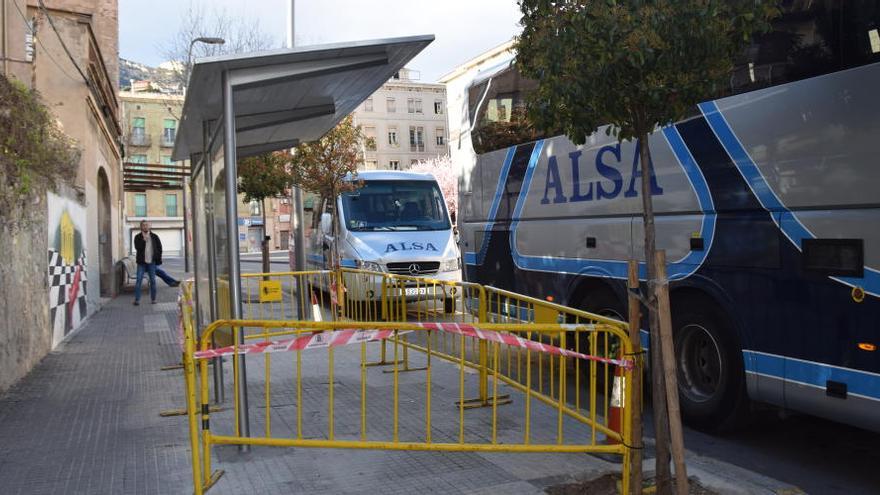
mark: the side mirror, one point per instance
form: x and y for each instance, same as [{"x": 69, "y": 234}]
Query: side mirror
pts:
[{"x": 326, "y": 223}]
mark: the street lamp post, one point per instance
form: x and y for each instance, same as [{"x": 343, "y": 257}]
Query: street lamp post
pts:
[
  {"x": 188, "y": 68},
  {"x": 202, "y": 39}
]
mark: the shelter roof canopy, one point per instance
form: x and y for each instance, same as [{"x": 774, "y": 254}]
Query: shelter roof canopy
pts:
[{"x": 284, "y": 97}]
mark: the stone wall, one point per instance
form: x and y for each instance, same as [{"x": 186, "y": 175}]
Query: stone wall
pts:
[{"x": 25, "y": 332}]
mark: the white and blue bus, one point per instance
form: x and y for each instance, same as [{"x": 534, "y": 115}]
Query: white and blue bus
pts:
[{"x": 767, "y": 203}]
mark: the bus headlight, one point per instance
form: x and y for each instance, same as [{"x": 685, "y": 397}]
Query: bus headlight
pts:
[
  {"x": 450, "y": 265},
  {"x": 369, "y": 266}
]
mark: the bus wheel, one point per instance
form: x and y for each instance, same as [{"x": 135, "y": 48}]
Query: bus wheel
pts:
[
  {"x": 601, "y": 302},
  {"x": 709, "y": 366}
]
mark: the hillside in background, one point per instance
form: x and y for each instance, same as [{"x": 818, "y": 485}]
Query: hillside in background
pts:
[{"x": 162, "y": 79}]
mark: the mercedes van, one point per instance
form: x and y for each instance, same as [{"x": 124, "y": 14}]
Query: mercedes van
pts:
[{"x": 395, "y": 223}]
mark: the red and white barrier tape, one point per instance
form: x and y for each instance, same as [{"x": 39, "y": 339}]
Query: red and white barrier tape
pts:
[
  {"x": 515, "y": 341},
  {"x": 335, "y": 338}
]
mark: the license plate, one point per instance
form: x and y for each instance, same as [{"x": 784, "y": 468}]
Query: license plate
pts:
[{"x": 416, "y": 291}]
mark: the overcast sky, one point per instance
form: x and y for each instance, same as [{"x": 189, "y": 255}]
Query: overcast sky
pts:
[{"x": 464, "y": 28}]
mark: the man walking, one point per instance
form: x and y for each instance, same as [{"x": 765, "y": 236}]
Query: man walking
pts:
[{"x": 148, "y": 250}]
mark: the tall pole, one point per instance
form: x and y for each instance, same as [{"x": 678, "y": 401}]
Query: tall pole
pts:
[
  {"x": 188, "y": 69},
  {"x": 299, "y": 241},
  {"x": 208, "y": 172},
  {"x": 230, "y": 157},
  {"x": 185, "y": 223}
]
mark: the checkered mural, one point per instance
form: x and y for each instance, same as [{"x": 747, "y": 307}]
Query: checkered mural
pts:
[{"x": 67, "y": 266}]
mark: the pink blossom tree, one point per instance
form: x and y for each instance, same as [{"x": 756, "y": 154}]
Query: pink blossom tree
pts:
[{"x": 446, "y": 174}]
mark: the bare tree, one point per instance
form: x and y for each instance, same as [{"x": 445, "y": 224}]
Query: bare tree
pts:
[{"x": 241, "y": 35}]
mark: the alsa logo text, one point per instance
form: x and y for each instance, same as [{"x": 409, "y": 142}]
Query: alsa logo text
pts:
[
  {"x": 609, "y": 186},
  {"x": 409, "y": 246}
]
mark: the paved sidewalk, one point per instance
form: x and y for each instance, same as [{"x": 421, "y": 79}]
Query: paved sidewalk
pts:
[{"x": 86, "y": 420}]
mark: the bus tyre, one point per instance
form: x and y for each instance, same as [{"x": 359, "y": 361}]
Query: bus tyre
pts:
[
  {"x": 602, "y": 302},
  {"x": 709, "y": 366}
]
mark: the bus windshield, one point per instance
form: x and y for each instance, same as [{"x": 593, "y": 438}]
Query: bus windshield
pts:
[{"x": 395, "y": 205}]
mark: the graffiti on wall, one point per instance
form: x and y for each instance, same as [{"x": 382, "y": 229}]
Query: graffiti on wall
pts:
[{"x": 67, "y": 266}]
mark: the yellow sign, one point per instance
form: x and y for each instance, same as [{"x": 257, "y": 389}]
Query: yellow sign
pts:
[{"x": 270, "y": 291}]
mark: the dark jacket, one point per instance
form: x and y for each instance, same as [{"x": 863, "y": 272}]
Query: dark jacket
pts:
[{"x": 140, "y": 245}]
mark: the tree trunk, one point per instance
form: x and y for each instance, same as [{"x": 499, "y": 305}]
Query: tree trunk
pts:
[
  {"x": 265, "y": 244},
  {"x": 658, "y": 385},
  {"x": 675, "y": 434},
  {"x": 635, "y": 325}
]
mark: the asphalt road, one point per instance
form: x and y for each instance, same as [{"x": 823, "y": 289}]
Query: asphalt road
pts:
[{"x": 819, "y": 456}]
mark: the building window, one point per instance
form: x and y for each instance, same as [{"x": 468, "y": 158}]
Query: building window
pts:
[
  {"x": 414, "y": 105},
  {"x": 370, "y": 164},
  {"x": 392, "y": 137},
  {"x": 394, "y": 164},
  {"x": 368, "y": 104},
  {"x": 438, "y": 107},
  {"x": 140, "y": 205},
  {"x": 414, "y": 161},
  {"x": 139, "y": 132},
  {"x": 390, "y": 105},
  {"x": 441, "y": 136},
  {"x": 166, "y": 160},
  {"x": 170, "y": 205},
  {"x": 370, "y": 138},
  {"x": 417, "y": 138},
  {"x": 29, "y": 41},
  {"x": 169, "y": 132}
]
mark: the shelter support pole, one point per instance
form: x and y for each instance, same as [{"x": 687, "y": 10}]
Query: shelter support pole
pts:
[
  {"x": 299, "y": 248},
  {"x": 230, "y": 158},
  {"x": 211, "y": 255},
  {"x": 299, "y": 240},
  {"x": 197, "y": 320},
  {"x": 186, "y": 210}
]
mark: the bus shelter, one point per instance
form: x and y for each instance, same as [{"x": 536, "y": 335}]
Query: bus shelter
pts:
[{"x": 242, "y": 105}]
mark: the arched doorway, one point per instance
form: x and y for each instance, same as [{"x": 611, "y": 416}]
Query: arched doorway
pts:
[{"x": 105, "y": 235}]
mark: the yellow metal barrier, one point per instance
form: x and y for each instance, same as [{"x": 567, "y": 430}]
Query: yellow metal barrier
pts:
[{"x": 575, "y": 390}]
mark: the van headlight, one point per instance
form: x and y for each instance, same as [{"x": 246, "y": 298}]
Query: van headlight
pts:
[
  {"x": 450, "y": 265},
  {"x": 369, "y": 266}
]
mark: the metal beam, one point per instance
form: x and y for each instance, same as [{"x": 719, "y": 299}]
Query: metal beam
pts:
[
  {"x": 256, "y": 121},
  {"x": 256, "y": 149},
  {"x": 267, "y": 75},
  {"x": 230, "y": 164}
]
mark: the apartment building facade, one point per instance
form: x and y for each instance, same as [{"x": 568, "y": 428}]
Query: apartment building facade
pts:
[
  {"x": 149, "y": 128},
  {"x": 404, "y": 122}
]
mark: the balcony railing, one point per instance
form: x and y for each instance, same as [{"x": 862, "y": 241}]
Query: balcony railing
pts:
[{"x": 140, "y": 140}]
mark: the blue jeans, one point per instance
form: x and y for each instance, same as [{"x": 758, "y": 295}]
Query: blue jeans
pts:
[
  {"x": 150, "y": 268},
  {"x": 168, "y": 279}
]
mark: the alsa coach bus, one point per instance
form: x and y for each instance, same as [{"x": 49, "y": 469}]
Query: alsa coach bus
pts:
[{"x": 767, "y": 203}]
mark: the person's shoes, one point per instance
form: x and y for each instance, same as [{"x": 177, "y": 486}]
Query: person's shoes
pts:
[
  {"x": 175, "y": 283},
  {"x": 153, "y": 301},
  {"x": 136, "y": 303}
]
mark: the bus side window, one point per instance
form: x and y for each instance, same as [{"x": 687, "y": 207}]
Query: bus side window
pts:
[{"x": 835, "y": 257}]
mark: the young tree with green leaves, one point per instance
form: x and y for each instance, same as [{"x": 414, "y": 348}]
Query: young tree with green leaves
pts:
[
  {"x": 260, "y": 177},
  {"x": 634, "y": 65},
  {"x": 321, "y": 167}
]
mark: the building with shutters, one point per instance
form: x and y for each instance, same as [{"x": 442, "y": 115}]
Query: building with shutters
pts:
[
  {"x": 149, "y": 122},
  {"x": 404, "y": 122}
]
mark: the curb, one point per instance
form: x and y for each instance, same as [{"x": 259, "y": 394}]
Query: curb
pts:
[{"x": 728, "y": 479}]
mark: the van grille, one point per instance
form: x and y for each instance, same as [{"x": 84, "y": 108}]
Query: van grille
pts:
[{"x": 420, "y": 268}]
